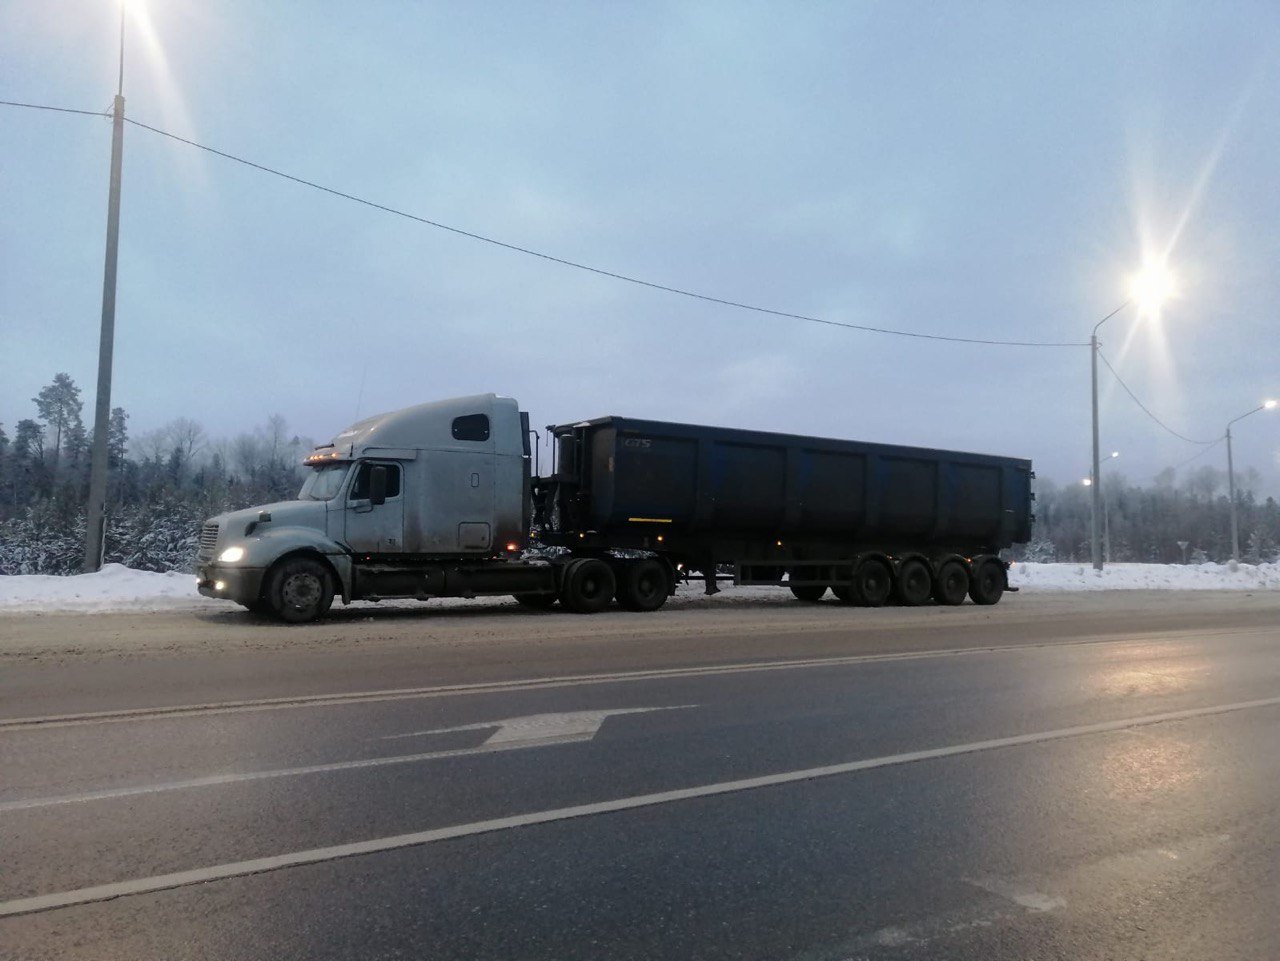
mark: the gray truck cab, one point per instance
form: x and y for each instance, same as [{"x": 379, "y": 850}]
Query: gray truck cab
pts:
[{"x": 386, "y": 502}]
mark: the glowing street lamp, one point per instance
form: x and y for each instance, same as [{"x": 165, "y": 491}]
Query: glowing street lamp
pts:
[
  {"x": 1231, "y": 479},
  {"x": 1149, "y": 288}
]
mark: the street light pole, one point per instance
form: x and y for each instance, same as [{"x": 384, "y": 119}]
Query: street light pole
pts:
[
  {"x": 96, "y": 512},
  {"x": 1095, "y": 541},
  {"x": 1231, "y": 493},
  {"x": 1231, "y": 480}
]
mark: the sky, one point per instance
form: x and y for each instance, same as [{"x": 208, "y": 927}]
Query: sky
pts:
[{"x": 980, "y": 170}]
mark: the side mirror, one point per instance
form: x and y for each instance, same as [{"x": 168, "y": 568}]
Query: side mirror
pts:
[{"x": 378, "y": 486}]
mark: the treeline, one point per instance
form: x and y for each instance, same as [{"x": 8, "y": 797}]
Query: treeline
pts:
[
  {"x": 1173, "y": 520},
  {"x": 161, "y": 484}
]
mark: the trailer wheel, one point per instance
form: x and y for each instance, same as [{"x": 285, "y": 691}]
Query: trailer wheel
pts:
[
  {"x": 914, "y": 583},
  {"x": 643, "y": 585},
  {"x": 988, "y": 582},
  {"x": 299, "y": 589},
  {"x": 952, "y": 584},
  {"x": 808, "y": 592},
  {"x": 537, "y": 602},
  {"x": 872, "y": 583},
  {"x": 588, "y": 586}
]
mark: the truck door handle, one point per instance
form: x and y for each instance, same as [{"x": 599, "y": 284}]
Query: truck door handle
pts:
[{"x": 475, "y": 480}]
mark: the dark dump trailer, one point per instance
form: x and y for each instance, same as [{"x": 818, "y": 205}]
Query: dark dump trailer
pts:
[{"x": 870, "y": 522}]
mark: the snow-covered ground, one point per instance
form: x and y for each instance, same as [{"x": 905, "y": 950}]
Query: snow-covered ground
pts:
[{"x": 117, "y": 588}]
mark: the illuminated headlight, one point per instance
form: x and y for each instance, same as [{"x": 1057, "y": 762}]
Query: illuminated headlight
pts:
[
  {"x": 231, "y": 555},
  {"x": 220, "y": 586}
]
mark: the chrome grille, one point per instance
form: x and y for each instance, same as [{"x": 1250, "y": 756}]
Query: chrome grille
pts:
[{"x": 208, "y": 539}]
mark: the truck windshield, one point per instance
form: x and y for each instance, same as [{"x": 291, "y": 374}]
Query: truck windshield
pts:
[{"x": 323, "y": 483}]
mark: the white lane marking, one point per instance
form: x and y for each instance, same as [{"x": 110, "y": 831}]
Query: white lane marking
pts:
[
  {"x": 164, "y": 882},
  {"x": 577, "y": 725},
  {"x": 44, "y": 722},
  {"x": 513, "y": 734},
  {"x": 1020, "y": 894}
]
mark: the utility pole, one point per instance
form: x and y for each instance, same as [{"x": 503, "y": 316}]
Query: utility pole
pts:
[
  {"x": 1231, "y": 492},
  {"x": 1095, "y": 545},
  {"x": 96, "y": 513}
]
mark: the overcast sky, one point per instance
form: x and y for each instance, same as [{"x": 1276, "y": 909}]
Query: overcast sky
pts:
[{"x": 976, "y": 170}]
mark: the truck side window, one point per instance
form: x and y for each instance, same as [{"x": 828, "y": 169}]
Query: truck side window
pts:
[
  {"x": 360, "y": 489},
  {"x": 471, "y": 427}
]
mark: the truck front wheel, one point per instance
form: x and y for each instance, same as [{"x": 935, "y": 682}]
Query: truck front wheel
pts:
[
  {"x": 588, "y": 586},
  {"x": 299, "y": 589}
]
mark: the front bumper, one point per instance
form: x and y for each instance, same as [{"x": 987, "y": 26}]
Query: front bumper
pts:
[{"x": 230, "y": 583}]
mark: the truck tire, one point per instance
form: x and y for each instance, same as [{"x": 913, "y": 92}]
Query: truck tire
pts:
[
  {"x": 872, "y": 583},
  {"x": 537, "y": 602},
  {"x": 988, "y": 582},
  {"x": 588, "y": 586},
  {"x": 299, "y": 589},
  {"x": 952, "y": 584},
  {"x": 808, "y": 592},
  {"x": 914, "y": 584},
  {"x": 643, "y": 585}
]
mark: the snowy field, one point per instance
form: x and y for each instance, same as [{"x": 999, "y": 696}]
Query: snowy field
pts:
[{"x": 117, "y": 588}]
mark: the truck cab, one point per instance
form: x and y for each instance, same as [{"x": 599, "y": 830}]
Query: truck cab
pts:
[{"x": 385, "y": 502}]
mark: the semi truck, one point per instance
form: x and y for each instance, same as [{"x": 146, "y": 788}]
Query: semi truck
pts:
[{"x": 447, "y": 499}]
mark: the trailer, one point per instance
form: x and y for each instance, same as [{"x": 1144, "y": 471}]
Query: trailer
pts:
[{"x": 445, "y": 500}]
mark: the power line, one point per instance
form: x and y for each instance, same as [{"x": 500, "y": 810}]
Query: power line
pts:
[
  {"x": 41, "y": 106},
  {"x": 598, "y": 270},
  {"x": 1196, "y": 456},
  {"x": 707, "y": 298},
  {"x": 1145, "y": 409}
]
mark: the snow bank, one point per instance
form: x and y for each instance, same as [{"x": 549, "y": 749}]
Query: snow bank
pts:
[
  {"x": 1036, "y": 578},
  {"x": 117, "y": 588},
  {"x": 114, "y": 588}
]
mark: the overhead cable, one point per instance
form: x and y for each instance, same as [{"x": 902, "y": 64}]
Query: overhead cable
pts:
[
  {"x": 599, "y": 271},
  {"x": 1146, "y": 410}
]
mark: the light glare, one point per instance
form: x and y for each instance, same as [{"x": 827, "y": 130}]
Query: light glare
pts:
[{"x": 1151, "y": 286}]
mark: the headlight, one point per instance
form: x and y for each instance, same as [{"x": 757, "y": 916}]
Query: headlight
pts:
[{"x": 231, "y": 555}]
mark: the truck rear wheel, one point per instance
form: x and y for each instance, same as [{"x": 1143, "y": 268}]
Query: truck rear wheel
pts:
[
  {"x": 952, "y": 584},
  {"x": 299, "y": 589},
  {"x": 588, "y": 586},
  {"x": 914, "y": 583},
  {"x": 643, "y": 585},
  {"x": 988, "y": 582},
  {"x": 872, "y": 583},
  {"x": 537, "y": 602}
]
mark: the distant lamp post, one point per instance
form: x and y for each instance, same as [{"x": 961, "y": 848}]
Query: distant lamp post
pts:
[
  {"x": 1149, "y": 288},
  {"x": 95, "y": 519},
  {"x": 1231, "y": 479},
  {"x": 1106, "y": 510}
]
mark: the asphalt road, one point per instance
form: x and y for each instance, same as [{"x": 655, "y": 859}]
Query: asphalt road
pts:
[{"x": 1082, "y": 777}]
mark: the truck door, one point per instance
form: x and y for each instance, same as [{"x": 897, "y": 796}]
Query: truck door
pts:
[{"x": 375, "y": 528}]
